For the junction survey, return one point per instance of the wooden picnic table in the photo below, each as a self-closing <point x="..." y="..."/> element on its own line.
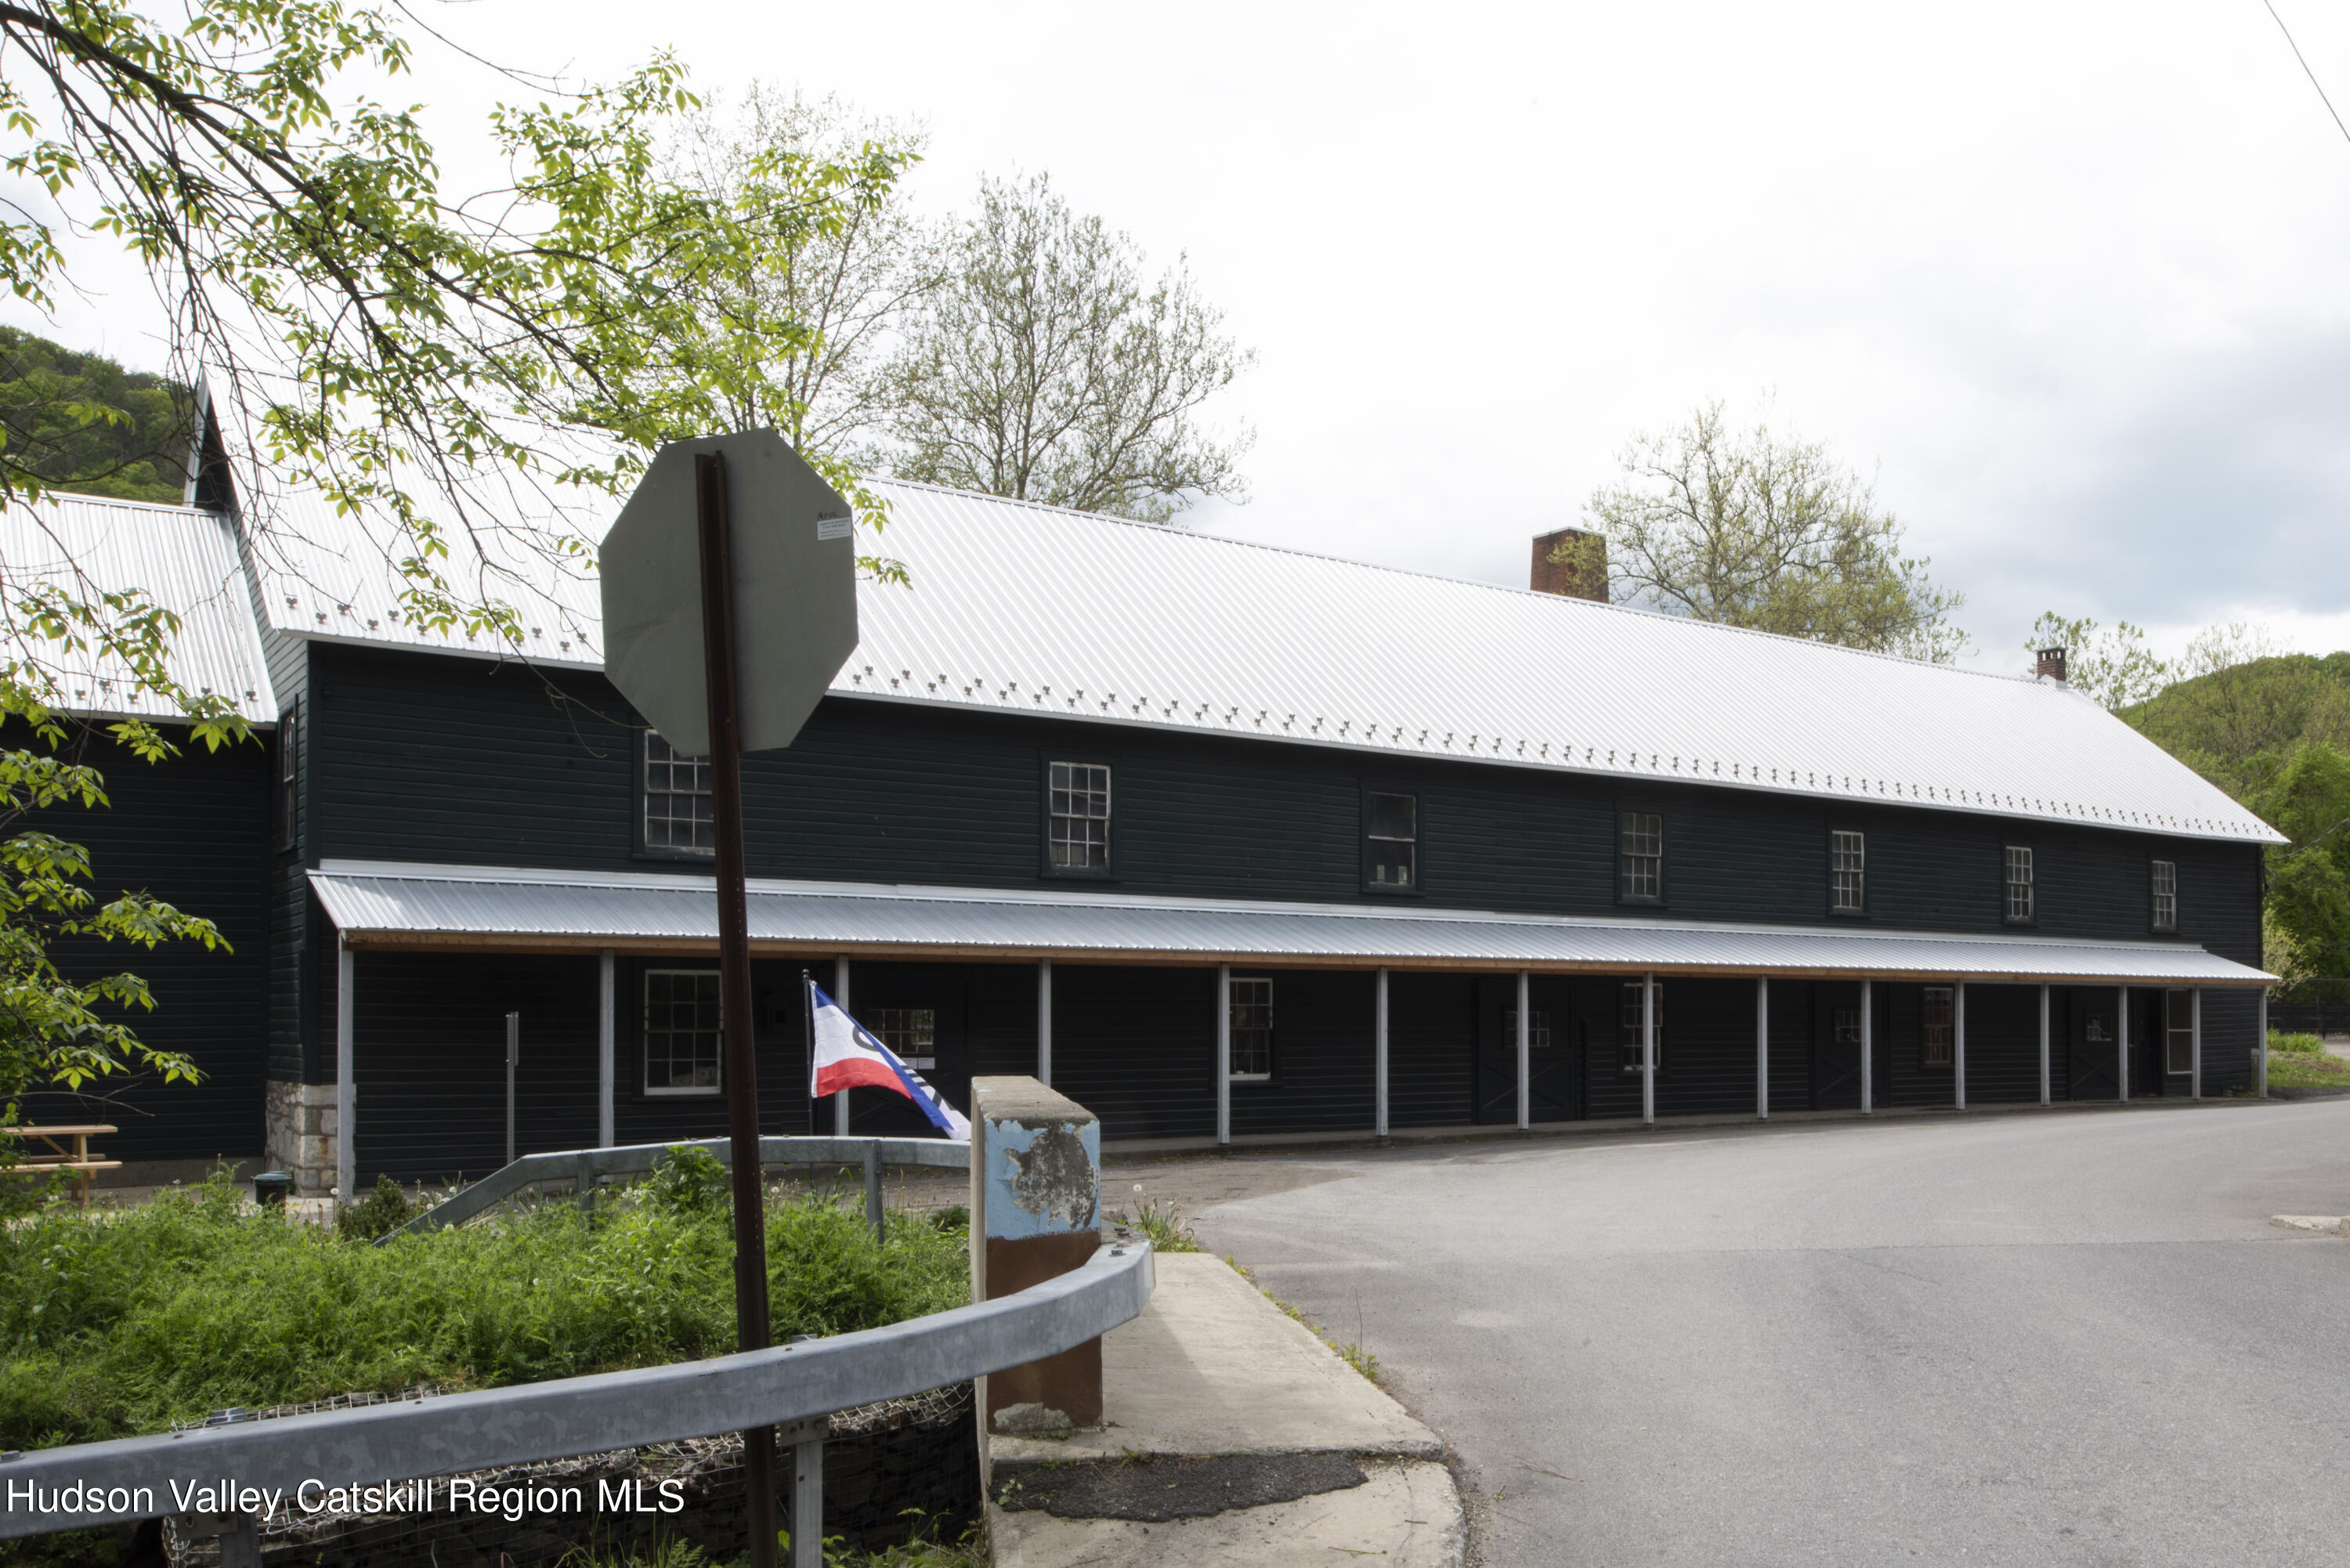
<point x="59" y="1156"/>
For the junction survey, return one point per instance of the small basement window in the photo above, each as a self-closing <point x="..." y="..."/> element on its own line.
<point x="1847" y="873"/>
<point x="1251" y="1005"/>
<point x="1393" y="840"/>
<point x="2178" y="1032"/>
<point x="1940" y="1026"/>
<point x="681" y="1033"/>
<point x="1079" y="806"/>
<point x="1642" y="840"/>
<point x="678" y="815"/>
<point x="911" y="1031"/>
<point x="2021" y="908"/>
<point x="2164" y="882"/>
<point x="1628" y="1032"/>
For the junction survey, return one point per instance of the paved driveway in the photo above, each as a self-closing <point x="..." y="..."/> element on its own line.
<point x="2066" y="1338"/>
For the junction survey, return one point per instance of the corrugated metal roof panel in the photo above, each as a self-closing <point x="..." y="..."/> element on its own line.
<point x="180" y="557"/>
<point x="418" y="905"/>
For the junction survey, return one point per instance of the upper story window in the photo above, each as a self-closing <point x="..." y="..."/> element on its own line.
<point x="1392" y="840"/>
<point x="2022" y="907"/>
<point x="1847" y="873"/>
<point x="1251" y="1005"/>
<point x="1940" y="1026"/>
<point x="678" y="818"/>
<point x="681" y="1036"/>
<point x="289" y="776"/>
<point x="1079" y="833"/>
<point x="2178" y="1031"/>
<point x="911" y="1031"/>
<point x="1628" y="1033"/>
<point x="1641" y="836"/>
<point x="2166" y="895"/>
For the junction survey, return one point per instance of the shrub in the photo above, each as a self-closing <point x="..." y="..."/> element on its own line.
<point x="2296" y="1045"/>
<point x="380" y="1214"/>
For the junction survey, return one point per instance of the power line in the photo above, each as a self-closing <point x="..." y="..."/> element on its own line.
<point x="2297" y="54"/>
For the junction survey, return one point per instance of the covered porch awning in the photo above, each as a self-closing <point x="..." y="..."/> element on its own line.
<point x="382" y="905"/>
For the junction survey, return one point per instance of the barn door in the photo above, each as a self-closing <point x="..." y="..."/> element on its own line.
<point x="1549" y="1051"/>
<point x="1836" y="1047"/>
<point x="916" y="1009"/>
<point x="2092" y="1049"/>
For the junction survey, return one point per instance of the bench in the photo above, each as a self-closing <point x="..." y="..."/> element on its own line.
<point x="68" y="1150"/>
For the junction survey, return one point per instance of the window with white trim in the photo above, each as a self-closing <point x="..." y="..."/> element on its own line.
<point x="1642" y="843"/>
<point x="1629" y="1029"/>
<point x="1079" y="808"/>
<point x="2178" y="1032"/>
<point x="2021" y="907"/>
<point x="1938" y="1026"/>
<point x="1847" y="873"/>
<point x="1251" y="1005"/>
<point x="2165" y="882"/>
<point x="682" y="1042"/>
<point x="678" y="815"/>
<point x="911" y="1031"/>
<point x="1393" y="839"/>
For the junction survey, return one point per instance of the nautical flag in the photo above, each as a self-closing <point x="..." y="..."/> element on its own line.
<point x="846" y="1058"/>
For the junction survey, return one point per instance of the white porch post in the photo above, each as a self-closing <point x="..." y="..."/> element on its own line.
<point x="1763" y="1048"/>
<point x="1867" y="1052"/>
<point x="840" y="995"/>
<point x="2261" y="1048"/>
<point x="2121" y="1049"/>
<point x="1648" y="1049"/>
<point x="1958" y="1040"/>
<point x="1224" y="1055"/>
<point x="347" y="1093"/>
<point x="1379" y="1055"/>
<point x="1045" y="1021"/>
<point x="2043" y="1042"/>
<point x="1525" y="1051"/>
<point x="2195" y="1042"/>
<point x="607" y="1006"/>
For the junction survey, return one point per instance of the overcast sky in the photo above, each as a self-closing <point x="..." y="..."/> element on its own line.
<point x="2068" y="280"/>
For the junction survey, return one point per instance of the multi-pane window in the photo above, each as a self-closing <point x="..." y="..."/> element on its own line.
<point x="681" y="1036"/>
<point x="1538" y="1029"/>
<point x="1251" y="1005"/>
<point x="1642" y="841"/>
<point x="1846" y="1023"/>
<point x="1080" y="813"/>
<point x="2019" y="906"/>
<point x="1941" y="1023"/>
<point x="1629" y="1032"/>
<point x="2178" y="1031"/>
<point x="1394" y="840"/>
<point x="1847" y="873"/>
<point x="2166" y="895"/>
<point x="677" y="800"/>
<point x="289" y="767"/>
<point x="911" y="1031"/>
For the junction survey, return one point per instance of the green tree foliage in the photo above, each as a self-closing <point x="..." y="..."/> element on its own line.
<point x="1043" y="367"/>
<point x="2309" y="880"/>
<point x="84" y="423"/>
<point x="1767" y="531"/>
<point x="2116" y="668"/>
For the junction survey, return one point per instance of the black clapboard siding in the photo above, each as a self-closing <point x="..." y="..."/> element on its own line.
<point x="1431" y="1048"/>
<point x="190" y="830"/>
<point x="2003" y="1044"/>
<point x="1321" y="1056"/>
<point x="1712" y="1049"/>
<point x="1136" y="1046"/>
<point x="1791" y="1045"/>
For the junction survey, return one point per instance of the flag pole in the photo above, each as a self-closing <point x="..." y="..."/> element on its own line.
<point x="742" y="1078"/>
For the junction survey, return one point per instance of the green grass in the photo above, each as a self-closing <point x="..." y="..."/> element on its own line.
<point x="2296" y="1045"/>
<point x="118" y="1324"/>
<point x="1162" y="1224"/>
<point x="2292" y="1068"/>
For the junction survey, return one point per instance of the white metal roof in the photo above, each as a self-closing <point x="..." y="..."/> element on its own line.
<point x="398" y="904"/>
<point x="180" y="557"/>
<point x="1033" y="609"/>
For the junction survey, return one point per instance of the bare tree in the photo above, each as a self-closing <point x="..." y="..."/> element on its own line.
<point x="1043" y="368"/>
<point x="1771" y="532"/>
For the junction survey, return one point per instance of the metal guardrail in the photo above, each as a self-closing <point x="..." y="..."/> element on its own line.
<point x="452" y="1434"/>
<point x="581" y="1167"/>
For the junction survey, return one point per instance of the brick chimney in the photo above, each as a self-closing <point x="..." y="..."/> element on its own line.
<point x="2052" y="665"/>
<point x="1571" y="562"/>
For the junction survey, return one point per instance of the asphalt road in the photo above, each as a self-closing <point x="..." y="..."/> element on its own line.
<point x="2047" y="1338"/>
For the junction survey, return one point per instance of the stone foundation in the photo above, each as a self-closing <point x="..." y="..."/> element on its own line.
<point x="300" y="1124"/>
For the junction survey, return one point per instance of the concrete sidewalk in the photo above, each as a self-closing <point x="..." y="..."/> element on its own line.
<point x="1212" y="1398"/>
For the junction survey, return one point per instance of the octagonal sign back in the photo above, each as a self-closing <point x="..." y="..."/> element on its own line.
<point x="794" y="591"/>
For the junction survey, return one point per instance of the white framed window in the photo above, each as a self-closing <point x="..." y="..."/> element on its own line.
<point x="911" y="1031"/>
<point x="1251" y="1005"/>
<point x="1847" y="873"/>
<point x="2165" y="882"/>
<point x="682" y="1042"/>
<point x="2021" y="906"/>
<point x="1538" y="1029"/>
<point x="1642" y="841"/>
<point x="2178" y="1032"/>
<point x="1940" y="1025"/>
<point x="678" y="817"/>
<point x="1628" y="1033"/>
<point x="1393" y="839"/>
<point x="1079" y="807"/>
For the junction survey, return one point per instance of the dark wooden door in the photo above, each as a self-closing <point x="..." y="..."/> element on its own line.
<point x="1550" y="1052"/>
<point x="2092" y="1046"/>
<point x="1835" y="1046"/>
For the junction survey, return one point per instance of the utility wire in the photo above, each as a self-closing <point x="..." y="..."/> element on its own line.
<point x="2297" y="54"/>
